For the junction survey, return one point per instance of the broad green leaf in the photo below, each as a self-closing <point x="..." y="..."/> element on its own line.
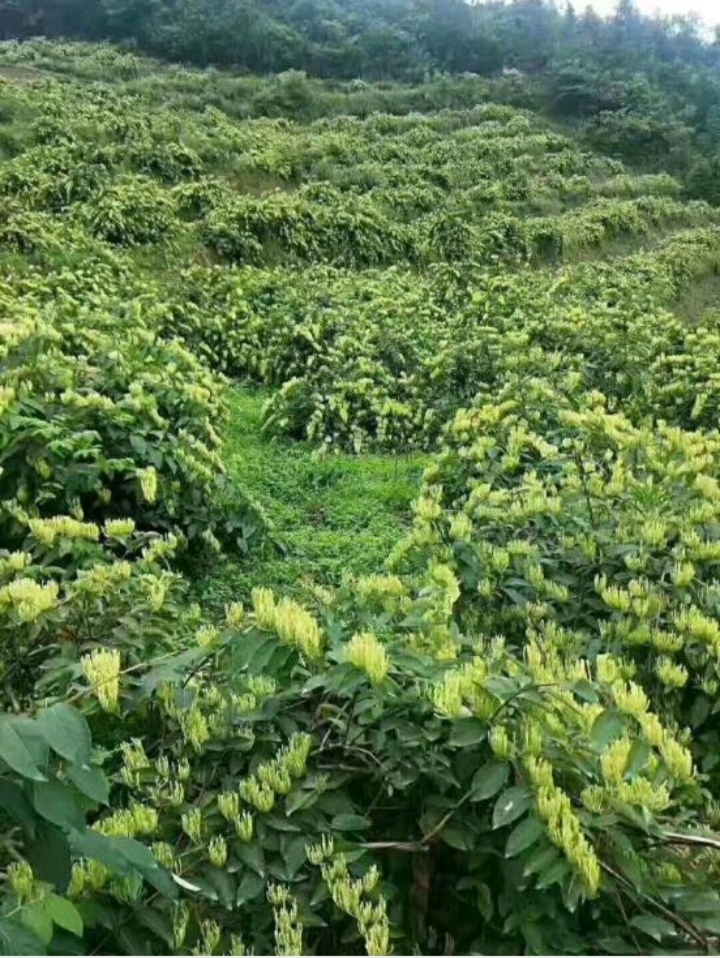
<point x="523" y="836"/>
<point x="540" y="859"/>
<point x="54" y="802"/>
<point x="699" y="710"/>
<point x="37" y="918"/>
<point x="142" y="859"/>
<point x="458" y="837"/>
<point x="694" y="902"/>
<point x="535" y="940"/>
<point x="18" y="939"/>
<point x="637" y="759"/>
<point x="606" y="727"/>
<point x="585" y="690"/>
<point x="485" y="901"/>
<point x="91" y="781"/>
<point x="64" y="914"/>
<point x="29" y="733"/>
<point x="488" y="780"/>
<point x="658" y="928"/>
<point x="224" y="884"/>
<point x="159" y="923"/>
<point x="14" y="801"/>
<point x="554" y="873"/>
<point x="251" y="854"/>
<point x="349" y="823"/>
<point x="66" y="732"/>
<point x="171" y="669"/>
<point x="49" y="855"/>
<point x="299" y="799"/>
<point x="294" y="856"/>
<point x="14" y="753"/>
<point x="466" y="732"/>
<point x="510" y="806"/>
<point x="251" y="888"/>
<point x="123" y="856"/>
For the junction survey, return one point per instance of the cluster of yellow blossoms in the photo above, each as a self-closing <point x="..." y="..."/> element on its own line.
<point x="293" y="624"/>
<point x="101" y="668"/>
<point x="563" y="826"/>
<point x="276" y="776"/>
<point x="366" y="653"/>
<point x="351" y="896"/>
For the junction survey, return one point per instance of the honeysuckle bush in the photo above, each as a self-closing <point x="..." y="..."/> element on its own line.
<point x="599" y="538"/>
<point x="73" y="585"/>
<point x="506" y="743"/>
<point x="368" y="373"/>
<point x="130" y="212"/>
<point x="325" y="228"/>
<point x="102" y="427"/>
<point x="301" y="780"/>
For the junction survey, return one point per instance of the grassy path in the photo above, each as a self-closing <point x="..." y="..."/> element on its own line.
<point x="332" y="515"/>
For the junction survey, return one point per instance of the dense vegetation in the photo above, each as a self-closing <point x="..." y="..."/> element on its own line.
<point x="644" y="89"/>
<point x="252" y="699"/>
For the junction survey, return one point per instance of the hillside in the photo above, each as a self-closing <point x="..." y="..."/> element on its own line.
<point x="643" y="89"/>
<point x="359" y="520"/>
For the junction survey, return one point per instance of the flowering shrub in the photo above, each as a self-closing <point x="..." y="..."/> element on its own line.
<point x="567" y="523"/>
<point x="328" y="229"/>
<point x="507" y="742"/>
<point x="104" y="429"/>
<point x="130" y="213"/>
<point x="305" y="765"/>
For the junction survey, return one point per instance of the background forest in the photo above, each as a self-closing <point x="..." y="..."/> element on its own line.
<point x="651" y="87"/>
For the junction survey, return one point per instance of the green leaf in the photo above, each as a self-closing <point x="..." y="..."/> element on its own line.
<point x="14" y="753"/>
<point x="64" y="914"/>
<point x="637" y="758"/>
<point x="699" y="711"/>
<point x="488" y="780"/>
<point x="606" y="727"/>
<point x="36" y="918"/>
<point x="91" y="781"/>
<point x="251" y="854"/>
<point x="49" y="855"/>
<point x="251" y="888"/>
<point x="655" y="927"/>
<point x="17" y="939"/>
<point x="29" y="733"/>
<point x="458" y="837"/>
<point x="224" y="884"/>
<point x="66" y="732"/>
<point x="157" y="922"/>
<point x="299" y="799"/>
<point x="294" y="856"/>
<point x="510" y="806"/>
<point x="585" y="690"/>
<point x="124" y="856"/>
<point x="466" y="732"/>
<point x="142" y="859"/>
<point x="540" y="859"/>
<point x="54" y="802"/>
<point x="349" y="823"/>
<point x="171" y="669"/>
<point x="485" y="901"/>
<point x="523" y="836"/>
<point x="694" y="902"/>
<point x="13" y="800"/>
<point x="555" y="873"/>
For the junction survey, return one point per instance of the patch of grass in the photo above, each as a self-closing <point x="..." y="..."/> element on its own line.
<point x="699" y="299"/>
<point x="332" y="515"/>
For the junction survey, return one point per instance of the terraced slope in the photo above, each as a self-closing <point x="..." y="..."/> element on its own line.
<point x="375" y="273"/>
<point x="435" y="394"/>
